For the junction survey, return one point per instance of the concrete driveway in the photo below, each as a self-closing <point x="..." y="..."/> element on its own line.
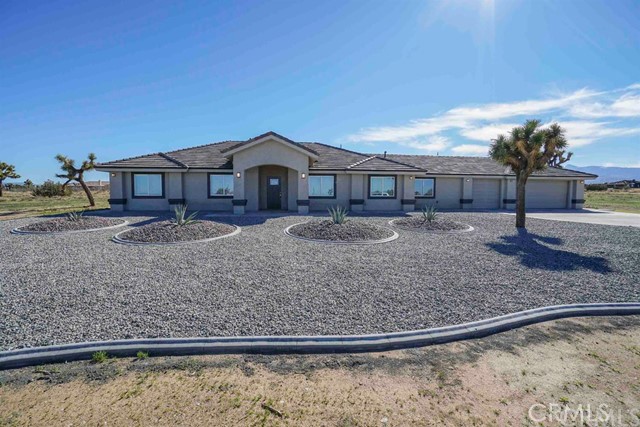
<point x="588" y="216"/>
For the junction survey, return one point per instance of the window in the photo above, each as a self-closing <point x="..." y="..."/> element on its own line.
<point x="425" y="187"/>
<point x="148" y="185"/>
<point x="220" y="185"/>
<point x="322" y="186"/>
<point x="382" y="186"/>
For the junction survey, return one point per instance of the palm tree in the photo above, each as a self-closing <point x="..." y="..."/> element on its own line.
<point x="7" y="171"/>
<point x="73" y="173"/>
<point x="527" y="149"/>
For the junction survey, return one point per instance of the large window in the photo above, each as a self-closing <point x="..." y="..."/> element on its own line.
<point x="220" y="185"/>
<point x="322" y="186"/>
<point x="382" y="186"/>
<point x="148" y="185"/>
<point x="425" y="187"/>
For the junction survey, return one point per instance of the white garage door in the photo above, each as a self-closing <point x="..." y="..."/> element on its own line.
<point x="549" y="194"/>
<point x="486" y="193"/>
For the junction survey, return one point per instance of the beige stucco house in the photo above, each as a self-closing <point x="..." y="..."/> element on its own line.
<point x="271" y="172"/>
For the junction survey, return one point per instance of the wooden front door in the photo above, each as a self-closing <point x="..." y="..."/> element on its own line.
<point x="274" y="192"/>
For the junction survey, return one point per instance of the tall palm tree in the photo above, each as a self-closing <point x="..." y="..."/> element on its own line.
<point x="7" y="171"/>
<point x="527" y="149"/>
<point x="72" y="173"/>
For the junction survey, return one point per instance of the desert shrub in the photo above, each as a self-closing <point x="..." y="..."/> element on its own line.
<point x="429" y="213"/>
<point x="75" y="216"/>
<point x="142" y="355"/>
<point x="338" y="214"/>
<point x="50" y="189"/>
<point x="180" y="216"/>
<point x="99" y="357"/>
<point x="596" y="187"/>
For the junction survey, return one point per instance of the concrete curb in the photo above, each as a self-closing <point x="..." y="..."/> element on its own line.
<point x="21" y="232"/>
<point x="466" y="230"/>
<point x="333" y="242"/>
<point x="308" y="344"/>
<point x="121" y="241"/>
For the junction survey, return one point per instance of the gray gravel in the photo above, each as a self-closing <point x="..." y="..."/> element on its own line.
<point x="168" y="232"/>
<point x="349" y="231"/>
<point x="78" y="287"/>
<point x="419" y="223"/>
<point x="64" y="224"/>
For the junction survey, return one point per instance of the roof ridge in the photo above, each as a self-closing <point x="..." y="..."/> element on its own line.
<point x="571" y="170"/>
<point x="203" y="145"/>
<point x="359" y="162"/>
<point x="178" y="162"/>
<point x="131" y="158"/>
<point x="334" y="147"/>
<point x="400" y="163"/>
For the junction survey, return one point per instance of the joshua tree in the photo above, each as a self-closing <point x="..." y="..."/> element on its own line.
<point x="28" y="183"/>
<point x="72" y="173"/>
<point x="527" y="149"/>
<point x="559" y="159"/>
<point x="7" y="171"/>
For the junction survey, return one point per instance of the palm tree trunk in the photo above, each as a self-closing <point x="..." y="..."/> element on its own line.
<point x="521" y="183"/>
<point x="88" y="192"/>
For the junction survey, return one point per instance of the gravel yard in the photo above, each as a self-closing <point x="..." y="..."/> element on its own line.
<point x="352" y="230"/>
<point x="57" y="225"/>
<point x="418" y="223"/>
<point x="79" y="287"/>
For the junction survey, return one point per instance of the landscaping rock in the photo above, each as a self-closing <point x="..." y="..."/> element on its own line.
<point x="350" y="231"/>
<point x="57" y="225"/>
<point x="418" y="223"/>
<point x="168" y="232"/>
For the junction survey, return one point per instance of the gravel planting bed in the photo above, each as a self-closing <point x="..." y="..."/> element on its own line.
<point x="168" y="232"/>
<point x="262" y="282"/>
<point x="418" y="223"/>
<point x="61" y="225"/>
<point x="350" y="231"/>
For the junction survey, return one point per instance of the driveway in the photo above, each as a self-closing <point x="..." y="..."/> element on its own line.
<point x="588" y="216"/>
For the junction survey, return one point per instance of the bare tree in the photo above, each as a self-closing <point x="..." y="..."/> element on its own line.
<point x="72" y="173"/>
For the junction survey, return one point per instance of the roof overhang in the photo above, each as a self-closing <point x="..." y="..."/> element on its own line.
<point x="270" y="137"/>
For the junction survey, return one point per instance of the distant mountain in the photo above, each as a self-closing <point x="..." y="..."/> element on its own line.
<point x="608" y="174"/>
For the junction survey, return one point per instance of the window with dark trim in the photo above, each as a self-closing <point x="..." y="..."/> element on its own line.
<point x="147" y="185"/>
<point x="382" y="187"/>
<point x="425" y="188"/>
<point x="322" y="186"/>
<point x="220" y="185"/>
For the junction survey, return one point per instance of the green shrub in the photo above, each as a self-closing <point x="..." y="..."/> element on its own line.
<point x="338" y="214"/>
<point x="50" y="189"/>
<point x="142" y="355"/>
<point x="181" y="217"/>
<point x="596" y="187"/>
<point x="99" y="357"/>
<point x="429" y="213"/>
<point x="75" y="216"/>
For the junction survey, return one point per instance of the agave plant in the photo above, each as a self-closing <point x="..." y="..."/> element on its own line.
<point x="338" y="214"/>
<point x="429" y="213"/>
<point x="75" y="216"/>
<point x="181" y="217"/>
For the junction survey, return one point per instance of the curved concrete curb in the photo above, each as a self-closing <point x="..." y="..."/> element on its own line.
<point x="121" y="241"/>
<point x="333" y="242"/>
<point x="22" y="232"/>
<point x="308" y="344"/>
<point x="393" y="223"/>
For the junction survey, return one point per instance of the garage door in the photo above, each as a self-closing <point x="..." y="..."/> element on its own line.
<point x="486" y="193"/>
<point x="546" y="194"/>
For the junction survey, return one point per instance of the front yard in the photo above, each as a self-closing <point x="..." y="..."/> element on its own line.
<point x="82" y="287"/>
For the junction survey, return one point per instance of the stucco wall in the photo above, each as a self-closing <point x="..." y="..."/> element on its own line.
<point x="448" y="194"/>
<point x="380" y="204"/>
<point x="137" y="204"/>
<point x="196" y="193"/>
<point x="343" y="194"/>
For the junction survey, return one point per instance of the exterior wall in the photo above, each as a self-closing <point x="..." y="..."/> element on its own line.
<point x="343" y="194"/>
<point x="577" y="194"/>
<point x="547" y="194"/>
<point x="383" y="204"/>
<point x="486" y="193"/>
<point x="117" y="192"/>
<point x="267" y="172"/>
<point x="448" y="194"/>
<point x="252" y="188"/>
<point x="144" y="204"/>
<point x="196" y="193"/>
<point x="292" y="192"/>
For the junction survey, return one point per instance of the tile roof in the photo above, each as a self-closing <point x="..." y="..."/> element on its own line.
<point x="212" y="156"/>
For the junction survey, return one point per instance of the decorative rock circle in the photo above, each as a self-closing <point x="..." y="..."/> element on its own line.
<point x="418" y="230"/>
<point x="394" y="236"/>
<point x="124" y="241"/>
<point x="19" y="230"/>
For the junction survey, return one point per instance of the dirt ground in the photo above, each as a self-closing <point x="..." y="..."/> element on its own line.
<point x="493" y="381"/>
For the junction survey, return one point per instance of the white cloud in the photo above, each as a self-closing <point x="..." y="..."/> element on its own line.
<point x="489" y="132"/>
<point x="471" y="149"/>
<point x="575" y="111"/>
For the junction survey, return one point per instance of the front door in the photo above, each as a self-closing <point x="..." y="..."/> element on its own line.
<point x="274" y="193"/>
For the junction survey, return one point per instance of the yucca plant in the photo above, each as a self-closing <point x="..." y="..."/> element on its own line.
<point x="181" y="217"/>
<point x="338" y="214"/>
<point x="75" y="216"/>
<point x="429" y="213"/>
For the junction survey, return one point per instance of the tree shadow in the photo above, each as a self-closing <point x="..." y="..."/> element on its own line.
<point x="533" y="252"/>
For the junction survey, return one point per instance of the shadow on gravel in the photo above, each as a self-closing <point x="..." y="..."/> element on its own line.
<point x="534" y="254"/>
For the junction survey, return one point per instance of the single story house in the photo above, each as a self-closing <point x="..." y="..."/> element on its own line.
<point x="271" y="172"/>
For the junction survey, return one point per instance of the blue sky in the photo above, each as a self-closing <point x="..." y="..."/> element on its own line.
<point x="129" y="78"/>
